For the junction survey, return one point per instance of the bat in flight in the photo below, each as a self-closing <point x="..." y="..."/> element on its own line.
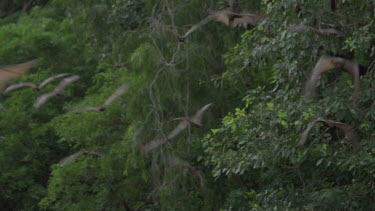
<point x="176" y="161"/>
<point x="234" y="19"/>
<point x="348" y="130"/>
<point x="227" y="17"/>
<point x="10" y="72"/>
<point x="74" y="156"/>
<point x="326" y="63"/>
<point x="318" y="31"/>
<point x="196" y="120"/>
<point x="182" y="38"/>
<point x="57" y="91"/>
<point x="35" y="86"/>
<point x="120" y="91"/>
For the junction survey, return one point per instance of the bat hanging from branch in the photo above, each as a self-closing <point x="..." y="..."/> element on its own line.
<point x="350" y="135"/>
<point x="74" y="156"/>
<point x="326" y="63"/>
<point x="195" y="120"/>
<point x="120" y="91"/>
<point x="35" y="86"/>
<point x="59" y="89"/>
<point x="10" y="72"/>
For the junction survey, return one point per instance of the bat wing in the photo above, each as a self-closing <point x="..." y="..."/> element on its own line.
<point x="348" y="130"/>
<point x="352" y="68"/>
<point x="197" y="119"/>
<point x="58" y="90"/>
<point x="65" y="82"/>
<point x="10" y="72"/>
<point x="300" y="27"/>
<point x="188" y="120"/>
<point x="196" y="26"/>
<point x="324" y="64"/>
<point x="328" y="31"/>
<point x="153" y="144"/>
<point x="173" y="134"/>
<point x="198" y="116"/>
<point x="43" y="99"/>
<point x="19" y="85"/>
<point x="74" y="156"/>
<point x="19" y="68"/>
<point x="120" y="91"/>
<point x="166" y="27"/>
<point x="305" y="134"/>
<point x="70" y="158"/>
<point x="224" y="16"/>
<point x="86" y="109"/>
<point x="48" y="80"/>
<point x="177" y="130"/>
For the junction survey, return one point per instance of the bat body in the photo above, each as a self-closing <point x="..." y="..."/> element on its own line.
<point x="350" y="135"/>
<point x="11" y="72"/>
<point x="326" y="63"/>
<point x="231" y="18"/>
<point x="120" y="91"/>
<point x="74" y="156"/>
<point x="58" y="90"/>
<point x="196" y="120"/>
<point x="34" y="86"/>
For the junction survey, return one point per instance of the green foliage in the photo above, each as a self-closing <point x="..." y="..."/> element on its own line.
<point x="246" y="150"/>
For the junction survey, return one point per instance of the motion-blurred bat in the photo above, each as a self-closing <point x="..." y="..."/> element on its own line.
<point x="176" y="161"/>
<point x="326" y="63"/>
<point x="58" y="90"/>
<point x="10" y="72"/>
<point x="318" y="31"/>
<point x="120" y="91"/>
<point x="227" y="17"/>
<point x="188" y="120"/>
<point x="35" y="86"/>
<point x="196" y="119"/>
<point x="182" y="38"/>
<point x="72" y="157"/>
<point x="350" y="135"/>
<point x="231" y="18"/>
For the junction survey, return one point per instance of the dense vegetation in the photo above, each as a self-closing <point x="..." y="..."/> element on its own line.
<point x="244" y="157"/>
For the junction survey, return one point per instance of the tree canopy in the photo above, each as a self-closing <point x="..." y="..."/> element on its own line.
<point x="187" y="105"/>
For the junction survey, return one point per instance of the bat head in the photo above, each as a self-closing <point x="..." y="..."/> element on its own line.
<point x="181" y="39"/>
